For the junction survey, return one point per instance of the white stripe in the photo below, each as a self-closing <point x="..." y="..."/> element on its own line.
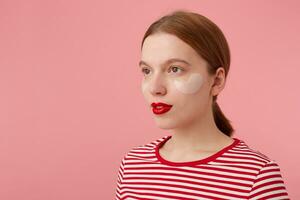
<point x="175" y="186"/>
<point x="232" y="168"/>
<point x="235" y="164"/>
<point x="269" y="193"/>
<point x="266" y="174"/>
<point x="131" y="155"/>
<point x="189" y="179"/>
<point x="240" y="160"/>
<point x="141" y="150"/>
<point x="248" y="155"/>
<point x="197" y="170"/>
<point x="250" y="151"/>
<point x="281" y="197"/>
<point x="266" y="187"/>
<point x="180" y="195"/>
<point x="267" y="180"/>
<point x="155" y="197"/>
<point x="270" y="167"/>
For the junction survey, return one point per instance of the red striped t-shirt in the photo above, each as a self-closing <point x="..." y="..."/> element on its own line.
<point x="235" y="172"/>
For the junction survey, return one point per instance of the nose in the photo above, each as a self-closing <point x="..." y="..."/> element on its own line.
<point x="157" y="86"/>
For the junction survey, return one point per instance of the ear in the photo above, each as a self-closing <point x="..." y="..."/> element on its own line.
<point x="219" y="80"/>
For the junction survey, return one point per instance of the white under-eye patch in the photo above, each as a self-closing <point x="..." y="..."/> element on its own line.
<point x="144" y="86"/>
<point x="190" y="86"/>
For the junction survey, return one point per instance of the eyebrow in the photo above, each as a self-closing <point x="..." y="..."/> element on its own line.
<point x="171" y="60"/>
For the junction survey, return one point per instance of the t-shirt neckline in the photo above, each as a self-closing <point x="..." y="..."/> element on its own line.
<point x="192" y="163"/>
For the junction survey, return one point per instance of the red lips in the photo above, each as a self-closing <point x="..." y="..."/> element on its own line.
<point x="160" y="108"/>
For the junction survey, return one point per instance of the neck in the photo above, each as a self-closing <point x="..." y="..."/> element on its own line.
<point x="203" y="134"/>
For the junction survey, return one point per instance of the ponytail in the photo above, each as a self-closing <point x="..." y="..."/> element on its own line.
<point x="221" y="121"/>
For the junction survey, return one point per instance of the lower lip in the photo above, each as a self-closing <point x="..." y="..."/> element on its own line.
<point x="161" y="110"/>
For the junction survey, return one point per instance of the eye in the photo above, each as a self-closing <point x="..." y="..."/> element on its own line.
<point x="175" y="67"/>
<point x="145" y="70"/>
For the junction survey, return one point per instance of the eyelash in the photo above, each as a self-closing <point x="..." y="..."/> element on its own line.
<point x="143" y="69"/>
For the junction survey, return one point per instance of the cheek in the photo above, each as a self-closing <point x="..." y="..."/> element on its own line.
<point x="144" y="86"/>
<point x="190" y="86"/>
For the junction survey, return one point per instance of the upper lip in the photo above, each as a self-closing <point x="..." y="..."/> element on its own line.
<point x="159" y="104"/>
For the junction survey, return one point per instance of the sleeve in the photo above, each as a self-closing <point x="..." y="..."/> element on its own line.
<point x="120" y="179"/>
<point x="269" y="183"/>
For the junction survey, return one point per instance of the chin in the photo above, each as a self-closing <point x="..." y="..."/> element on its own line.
<point x="166" y="124"/>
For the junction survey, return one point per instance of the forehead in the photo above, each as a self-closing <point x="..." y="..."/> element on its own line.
<point x="160" y="47"/>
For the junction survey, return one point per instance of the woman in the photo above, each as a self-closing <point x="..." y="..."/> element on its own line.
<point x="185" y="61"/>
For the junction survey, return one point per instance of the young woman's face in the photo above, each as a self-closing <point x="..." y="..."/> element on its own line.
<point x="185" y="84"/>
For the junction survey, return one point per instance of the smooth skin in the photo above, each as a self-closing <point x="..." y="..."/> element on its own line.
<point x="195" y="134"/>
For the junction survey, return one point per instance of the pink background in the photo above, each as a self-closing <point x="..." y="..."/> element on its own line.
<point x="71" y="104"/>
